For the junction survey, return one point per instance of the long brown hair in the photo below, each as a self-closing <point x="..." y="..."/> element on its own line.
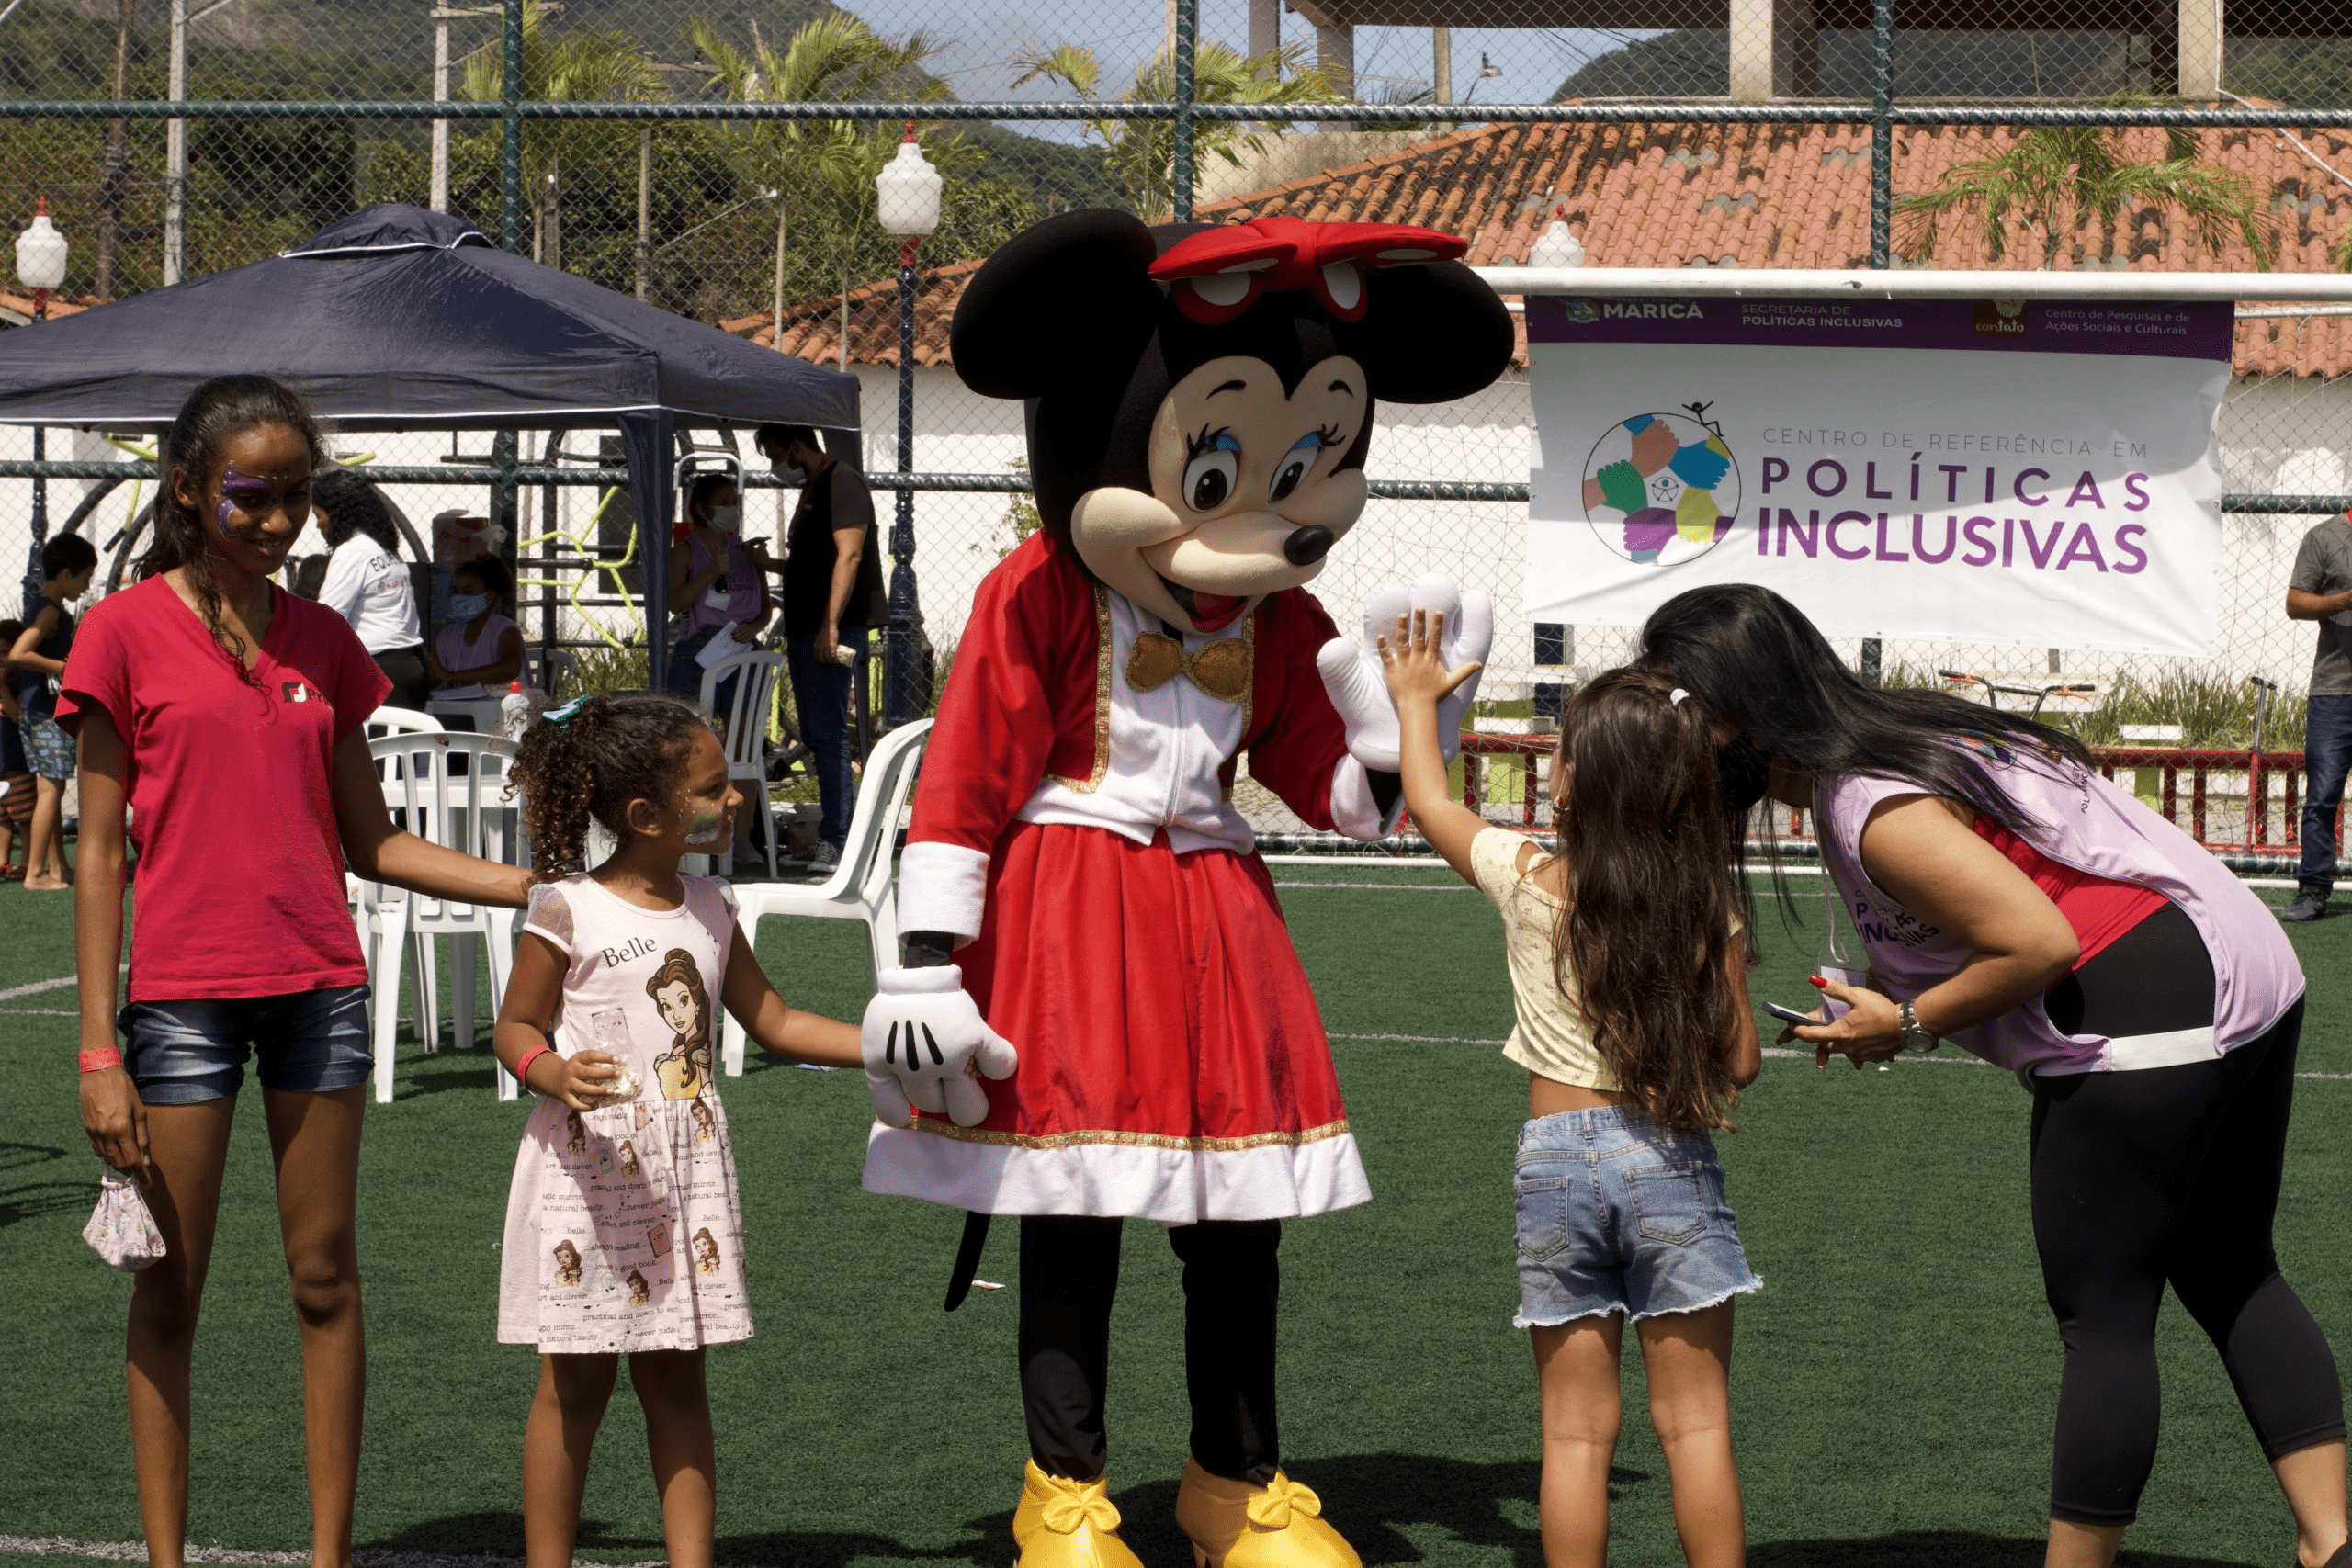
<point x="216" y="413"/>
<point x="1646" y="926"/>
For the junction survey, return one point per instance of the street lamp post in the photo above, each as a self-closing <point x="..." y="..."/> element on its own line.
<point x="40" y="267"/>
<point x="906" y="200"/>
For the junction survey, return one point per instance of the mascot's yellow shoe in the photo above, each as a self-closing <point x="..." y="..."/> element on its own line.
<point x="1234" y="1524"/>
<point x="1068" y="1524"/>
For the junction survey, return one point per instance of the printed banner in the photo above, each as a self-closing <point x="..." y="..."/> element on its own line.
<point x="1977" y="472"/>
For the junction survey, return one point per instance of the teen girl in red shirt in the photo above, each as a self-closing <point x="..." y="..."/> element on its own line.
<point x="226" y="714"/>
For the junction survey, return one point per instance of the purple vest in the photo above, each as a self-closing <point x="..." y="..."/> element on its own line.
<point x="2084" y="822"/>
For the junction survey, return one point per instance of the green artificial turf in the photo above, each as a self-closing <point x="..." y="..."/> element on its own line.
<point x="1892" y="1390"/>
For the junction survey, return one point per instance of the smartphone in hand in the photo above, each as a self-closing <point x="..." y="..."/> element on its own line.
<point x="1791" y="1015"/>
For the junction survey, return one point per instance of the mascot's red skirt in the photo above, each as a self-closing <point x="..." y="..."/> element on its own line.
<point x="1173" y="1064"/>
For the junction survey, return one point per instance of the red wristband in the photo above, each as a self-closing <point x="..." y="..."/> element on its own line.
<point x="105" y="1056"/>
<point x="523" y="1068"/>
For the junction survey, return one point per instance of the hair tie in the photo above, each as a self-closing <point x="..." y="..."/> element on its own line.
<point x="1675" y="698"/>
<point x="568" y="711"/>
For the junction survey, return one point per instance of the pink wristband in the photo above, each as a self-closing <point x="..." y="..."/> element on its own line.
<point x="105" y="1056"/>
<point x="523" y="1068"/>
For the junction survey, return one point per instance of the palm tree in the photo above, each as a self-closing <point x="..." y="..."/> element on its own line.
<point x="2054" y="177"/>
<point x="821" y="171"/>
<point x="589" y="64"/>
<point x="1142" y="152"/>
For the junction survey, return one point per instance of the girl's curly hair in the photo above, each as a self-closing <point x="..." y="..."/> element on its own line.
<point x="619" y="747"/>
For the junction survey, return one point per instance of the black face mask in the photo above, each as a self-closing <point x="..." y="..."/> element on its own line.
<point x="1743" y="770"/>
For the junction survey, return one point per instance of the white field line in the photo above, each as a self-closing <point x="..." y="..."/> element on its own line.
<point x="57" y="985"/>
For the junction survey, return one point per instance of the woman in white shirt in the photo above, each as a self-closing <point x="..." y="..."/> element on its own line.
<point x="368" y="583"/>
<point x="479" y="651"/>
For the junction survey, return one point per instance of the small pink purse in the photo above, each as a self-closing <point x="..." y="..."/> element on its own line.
<point x="120" y="1230"/>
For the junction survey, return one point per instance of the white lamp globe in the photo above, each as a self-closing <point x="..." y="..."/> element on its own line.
<point x="41" y="254"/>
<point x="907" y="191"/>
<point x="1556" y="246"/>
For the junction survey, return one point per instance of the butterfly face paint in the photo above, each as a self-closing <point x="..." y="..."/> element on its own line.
<point x="243" y="492"/>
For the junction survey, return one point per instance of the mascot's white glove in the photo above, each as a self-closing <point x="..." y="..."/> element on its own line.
<point x="1351" y="673"/>
<point x="925" y="1043"/>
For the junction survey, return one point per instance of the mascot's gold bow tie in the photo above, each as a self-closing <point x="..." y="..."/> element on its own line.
<point x="1221" y="670"/>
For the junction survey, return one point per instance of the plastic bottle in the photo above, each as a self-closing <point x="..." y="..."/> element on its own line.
<point x="514" y="712"/>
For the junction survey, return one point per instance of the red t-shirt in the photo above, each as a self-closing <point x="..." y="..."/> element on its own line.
<point x="2098" y="909"/>
<point x="240" y="889"/>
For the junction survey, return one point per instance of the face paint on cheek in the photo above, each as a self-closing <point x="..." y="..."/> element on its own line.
<point x="702" y="827"/>
<point x="240" y="492"/>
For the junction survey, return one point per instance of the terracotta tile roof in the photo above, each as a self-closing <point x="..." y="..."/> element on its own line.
<point x="1755" y="196"/>
<point x="16" y="306"/>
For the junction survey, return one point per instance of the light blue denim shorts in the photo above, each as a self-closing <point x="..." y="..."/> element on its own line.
<point x="1618" y="1215"/>
<point x="182" y="1053"/>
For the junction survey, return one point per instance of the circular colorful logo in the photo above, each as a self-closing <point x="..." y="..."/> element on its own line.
<point x="1661" y="489"/>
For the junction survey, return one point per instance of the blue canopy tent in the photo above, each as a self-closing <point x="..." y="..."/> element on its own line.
<point x="398" y="318"/>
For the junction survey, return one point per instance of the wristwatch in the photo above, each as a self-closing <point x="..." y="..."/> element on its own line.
<point x="1914" y="1037"/>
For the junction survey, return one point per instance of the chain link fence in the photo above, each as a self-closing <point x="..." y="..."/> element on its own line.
<point x="717" y="157"/>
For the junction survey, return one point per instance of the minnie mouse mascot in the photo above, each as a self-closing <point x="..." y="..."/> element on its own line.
<point x="1080" y="898"/>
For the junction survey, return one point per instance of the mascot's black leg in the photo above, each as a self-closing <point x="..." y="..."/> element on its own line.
<point x="1232" y="1278"/>
<point x="1069" y="1271"/>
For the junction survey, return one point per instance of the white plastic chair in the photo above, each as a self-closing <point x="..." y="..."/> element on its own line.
<point x="745" y="725"/>
<point x="557" y="674"/>
<point x="466" y="811"/>
<point x="401" y="721"/>
<point x="862" y="887"/>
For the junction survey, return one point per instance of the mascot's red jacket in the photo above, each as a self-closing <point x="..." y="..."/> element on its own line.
<point x="1082" y="832"/>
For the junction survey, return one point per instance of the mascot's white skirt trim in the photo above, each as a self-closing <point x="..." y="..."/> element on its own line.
<point x="1172" y="1185"/>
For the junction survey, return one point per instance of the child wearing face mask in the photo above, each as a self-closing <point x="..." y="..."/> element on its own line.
<point x="479" y="651"/>
<point x="1628" y="969"/>
<point x="624" y="1235"/>
<point x="716" y="588"/>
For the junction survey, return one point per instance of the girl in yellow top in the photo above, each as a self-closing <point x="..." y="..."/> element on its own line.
<point x="1629" y="969"/>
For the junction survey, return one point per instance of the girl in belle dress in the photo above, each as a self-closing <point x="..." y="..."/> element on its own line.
<point x="623" y="1237"/>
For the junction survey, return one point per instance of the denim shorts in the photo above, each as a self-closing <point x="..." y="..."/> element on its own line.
<point x="186" y="1051"/>
<point x="1618" y="1215"/>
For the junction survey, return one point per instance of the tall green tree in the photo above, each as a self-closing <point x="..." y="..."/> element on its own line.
<point x="820" y="173"/>
<point x="1142" y="154"/>
<point x="2055" y="178"/>
<point x="579" y="65"/>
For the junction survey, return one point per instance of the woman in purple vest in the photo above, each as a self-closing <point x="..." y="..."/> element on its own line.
<point x="2013" y="901"/>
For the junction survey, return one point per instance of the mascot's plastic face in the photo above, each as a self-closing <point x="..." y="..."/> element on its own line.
<point x="1200" y="444"/>
<point x="1248" y="491"/>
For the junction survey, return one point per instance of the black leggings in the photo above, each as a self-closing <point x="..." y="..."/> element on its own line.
<point x="2167" y="1175"/>
<point x="1069" y="1271"/>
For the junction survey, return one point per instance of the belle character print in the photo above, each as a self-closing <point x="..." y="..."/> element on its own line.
<point x="567" y="1262"/>
<point x="706" y="1252"/>
<point x="704" y="1124"/>
<point x="629" y="1166"/>
<point x="639" y="1293"/>
<point x="575" y="1134"/>
<point x="678" y="991"/>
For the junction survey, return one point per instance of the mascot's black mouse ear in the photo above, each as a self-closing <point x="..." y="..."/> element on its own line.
<point x="1432" y="332"/>
<point x="1073" y="289"/>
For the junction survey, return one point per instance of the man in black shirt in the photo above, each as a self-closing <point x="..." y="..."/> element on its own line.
<point x="833" y="578"/>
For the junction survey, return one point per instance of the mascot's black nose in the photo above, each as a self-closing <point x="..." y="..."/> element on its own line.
<point x="1306" y="546"/>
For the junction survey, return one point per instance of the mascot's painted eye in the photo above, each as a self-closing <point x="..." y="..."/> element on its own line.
<point x="1297" y="464"/>
<point x="1209" y="476"/>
